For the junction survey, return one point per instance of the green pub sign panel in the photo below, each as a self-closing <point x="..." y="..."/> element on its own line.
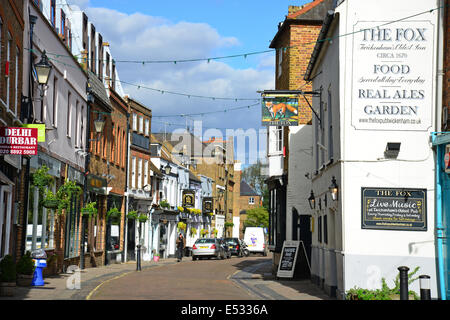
<point x="394" y="209"/>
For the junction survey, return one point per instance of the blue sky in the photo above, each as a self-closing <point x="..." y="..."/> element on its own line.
<point x="179" y="29"/>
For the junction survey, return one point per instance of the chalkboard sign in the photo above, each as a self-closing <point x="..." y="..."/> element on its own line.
<point x="288" y="259"/>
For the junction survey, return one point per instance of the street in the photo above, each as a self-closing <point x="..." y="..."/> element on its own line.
<point x="191" y="280"/>
<point x="230" y="279"/>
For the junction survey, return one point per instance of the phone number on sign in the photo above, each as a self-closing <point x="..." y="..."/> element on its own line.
<point x="18" y="152"/>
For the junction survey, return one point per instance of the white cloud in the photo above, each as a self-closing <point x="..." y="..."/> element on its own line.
<point x="143" y="37"/>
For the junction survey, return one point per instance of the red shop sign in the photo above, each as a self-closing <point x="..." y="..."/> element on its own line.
<point x="22" y="141"/>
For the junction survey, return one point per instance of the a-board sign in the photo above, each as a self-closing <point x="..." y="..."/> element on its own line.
<point x="288" y="259"/>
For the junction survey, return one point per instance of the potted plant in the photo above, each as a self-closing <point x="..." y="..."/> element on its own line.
<point x="203" y="233"/>
<point x="90" y="209"/>
<point x="41" y="178"/>
<point x="50" y="201"/>
<point x="113" y="214"/>
<point x="164" y="204"/>
<point x="181" y="226"/>
<point x="142" y="218"/>
<point x="65" y="194"/>
<point x="52" y="264"/>
<point x="7" y="276"/>
<point x="214" y="232"/>
<point x="132" y="215"/>
<point x="25" y="270"/>
<point x="193" y="232"/>
<point x="156" y="257"/>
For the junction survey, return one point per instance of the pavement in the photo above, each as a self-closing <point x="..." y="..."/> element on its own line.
<point x="257" y="279"/>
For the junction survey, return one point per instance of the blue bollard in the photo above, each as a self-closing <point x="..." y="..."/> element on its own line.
<point x="38" y="279"/>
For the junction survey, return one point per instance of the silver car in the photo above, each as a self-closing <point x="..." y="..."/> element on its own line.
<point x="208" y="247"/>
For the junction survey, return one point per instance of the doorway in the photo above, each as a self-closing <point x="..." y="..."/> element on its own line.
<point x="5" y="219"/>
<point x="131" y="240"/>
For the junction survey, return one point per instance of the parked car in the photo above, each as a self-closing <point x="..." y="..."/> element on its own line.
<point x="226" y="248"/>
<point x="208" y="248"/>
<point x="255" y="239"/>
<point x="234" y="245"/>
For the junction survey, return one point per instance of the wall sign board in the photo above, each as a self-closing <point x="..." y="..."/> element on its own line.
<point x="394" y="209"/>
<point x="393" y="75"/>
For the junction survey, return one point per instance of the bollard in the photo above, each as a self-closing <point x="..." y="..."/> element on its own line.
<point x="138" y="258"/>
<point x="425" y="291"/>
<point x="403" y="282"/>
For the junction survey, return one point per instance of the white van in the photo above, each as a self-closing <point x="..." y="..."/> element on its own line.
<point x="255" y="240"/>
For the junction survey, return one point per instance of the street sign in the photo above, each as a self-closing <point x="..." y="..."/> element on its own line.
<point x="21" y="141"/>
<point x="286" y="266"/>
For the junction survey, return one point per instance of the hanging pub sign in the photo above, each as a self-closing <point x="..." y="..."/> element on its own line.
<point x="279" y="110"/>
<point x="21" y="141"/>
<point x="207" y="205"/>
<point x="189" y="198"/>
<point x="394" y="209"/>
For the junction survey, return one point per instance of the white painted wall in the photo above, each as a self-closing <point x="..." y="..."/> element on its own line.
<point x="299" y="186"/>
<point x="356" y="256"/>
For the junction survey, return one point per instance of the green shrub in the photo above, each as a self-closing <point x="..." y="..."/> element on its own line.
<point x="385" y="293"/>
<point x="25" y="265"/>
<point x="7" y="269"/>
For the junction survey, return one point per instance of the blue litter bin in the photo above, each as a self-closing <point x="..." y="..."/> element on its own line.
<point x="38" y="279"/>
<point x="40" y="262"/>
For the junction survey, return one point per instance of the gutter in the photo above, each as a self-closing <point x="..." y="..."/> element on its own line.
<point x="319" y="44"/>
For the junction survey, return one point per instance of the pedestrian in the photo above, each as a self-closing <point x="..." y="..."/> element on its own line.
<point x="181" y="244"/>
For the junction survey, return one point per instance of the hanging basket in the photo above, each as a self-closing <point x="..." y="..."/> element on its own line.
<point x="89" y="209"/>
<point x="50" y="203"/>
<point x="142" y="218"/>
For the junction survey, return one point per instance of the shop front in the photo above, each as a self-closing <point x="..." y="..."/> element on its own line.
<point x="164" y="225"/>
<point x="114" y="229"/>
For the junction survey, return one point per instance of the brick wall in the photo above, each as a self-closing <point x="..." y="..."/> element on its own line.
<point x="12" y="25"/>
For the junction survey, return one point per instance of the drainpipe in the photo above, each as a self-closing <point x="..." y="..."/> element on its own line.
<point x="124" y="241"/>
<point x="439" y="151"/>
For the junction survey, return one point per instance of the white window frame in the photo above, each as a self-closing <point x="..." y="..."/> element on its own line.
<point x="280" y="61"/>
<point x="147" y="127"/>
<point x="5" y="191"/>
<point x="77" y="123"/>
<point x="133" y="173"/>
<point x="279" y="139"/>
<point x="141" y="124"/>
<point x="251" y="200"/>
<point x="330" y="127"/>
<point x="69" y="115"/>
<point x="145" y="172"/>
<point x="134" y="122"/>
<point x="55" y="103"/>
<point x="139" y="182"/>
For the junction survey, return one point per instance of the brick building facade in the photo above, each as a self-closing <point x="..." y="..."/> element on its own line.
<point x="294" y="43"/>
<point x="11" y="66"/>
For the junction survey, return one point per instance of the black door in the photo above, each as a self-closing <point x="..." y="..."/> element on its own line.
<point x="131" y="240"/>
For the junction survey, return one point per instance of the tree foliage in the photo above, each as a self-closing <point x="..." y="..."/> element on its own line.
<point x="257" y="217"/>
<point x="255" y="177"/>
